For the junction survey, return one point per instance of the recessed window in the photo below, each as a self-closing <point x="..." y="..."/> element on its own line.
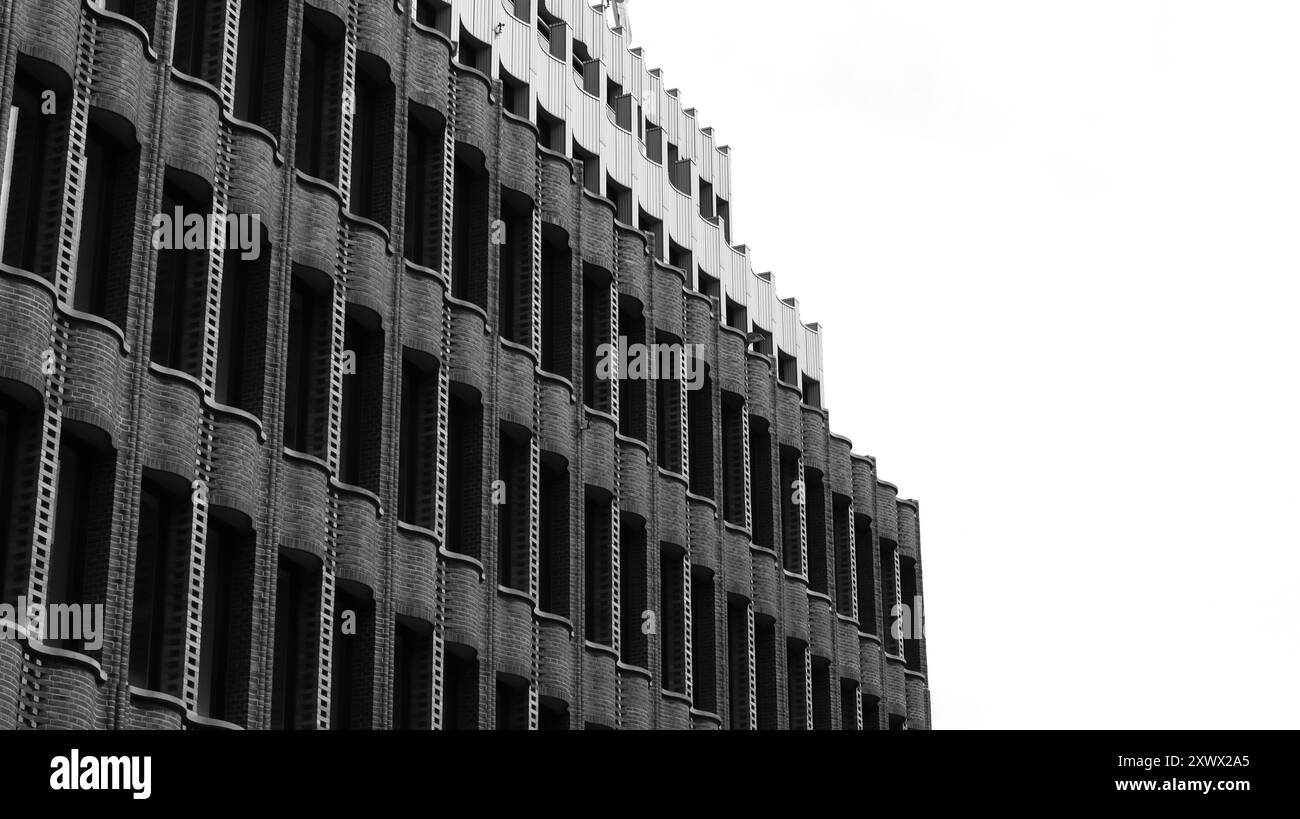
<point x="672" y="618"/>
<point x="848" y="704"/>
<point x="107" y="220"/>
<point x="320" y="94"/>
<point x="513" y="521"/>
<point x="360" y="442"/>
<point x="229" y="559"/>
<point x="434" y="14"/>
<point x="866" y="565"/>
<point x="196" y="49"/>
<point x="372" y="142"/>
<point x="465" y="463"/>
<point x="352" y="665"/>
<point x="766" y="684"/>
<point x="307" y="362"/>
<point x="474" y="53"/>
<point x="596" y="331"/>
<point x="412" y="674"/>
<point x="738" y="661"/>
<point x="796" y="678"/>
<point x="515" y="95"/>
<point x="181" y="277"/>
<point x="425" y="130"/>
<point x="821" y="694"/>
<point x="699" y="404"/>
<point x="470" y="238"/>
<point x="33" y="172"/>
<point x="668" y="412"/>
<point x="598" y="571"/>
<point x="793" y="496"/>
<point x="815" y="493"/>
<point x="632" y="399"/>
<point x="840" y="505"/>
<point x="633" y="590"/>
<point x="159" y="600"/>
<point x="460" y="709"/>
<point x="297" y="633"/>
<point x="553" y="546"/>
<point x="733" y="458"/>
<point x="417" y="472"/>
<point x="244" y="330"/>
<point x="512" y="703"/>
<point x="760" y="481"/>
<point x="82" y="529"/>
<point x="557" y="304"/>
<point x="704" y="640"/>
<point x="515" y="256"/>
<point x="259" y="73"/>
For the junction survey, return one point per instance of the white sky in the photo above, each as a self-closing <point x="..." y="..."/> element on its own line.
<point x="1075" y="227"/>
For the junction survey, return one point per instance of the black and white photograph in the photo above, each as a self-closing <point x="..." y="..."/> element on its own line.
<point x="373" y="370"/>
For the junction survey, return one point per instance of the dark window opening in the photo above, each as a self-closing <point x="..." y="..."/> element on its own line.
<point x="352" y="659"/>
<point x="161" y="573"/>
<point x="866" y="565"/>
<point x="843" y="554"/>
<point x="848" y="704"/>
<point x="553" y="525"/>
<point x="225" y="664"/>
<point x="621" y="196"/>
<point x="668" y="412"/>
<point x="417" y="470"/>
<point x="141" y="11"/>
<point x="19" y="448"/>
<point x="699" y="404"/>
<point x="733" y="458"/>
<point x="761" y="340"/>
<point x="598" y="571"/>
<point x="34" y="170"/>
<point x="596" y="331"/>
<point x="791" y="491"/>
<point x="515" y="95"/>
<point x="460" y="689"/>
<point x="361" y="452"/>
<point x="870" y="713"/>
<point x="425" y="132"/>
<point x="434" y="14"/>
<point x="680" y="257"/>
<point x="738" y="662"/>
<point x="470" y="226"/>
<point x="897" y="722"/>
<point x="297" y="631"/>
<point x="911" y="613"/>
<point x="352" y="665"/>
<point x="181" y="278"/>
<point x="107" y="222"/>
<point x="307" y="363"/>
<point x="796" y="678"/>
<point x="787" y="368"/>
<point x="812" y="392"/>
<point x="657" y="235"/>
<point x="557" y="306"/>
<point x="259" y="73"/>
<point x="373" y="126"/>
<point x="672" y="618"/>
<point x="737" y="316"/>
<point x="821" y="694"/>
<point x="78" y="561"/>
<point x="515" y="295"/>
<point x="244" y="329"/>
<point x="760" y="481"/>
<point x="724" y="213"/>
<point x="552" y="131"/>
<point x="553" y="715"/>
<point x="412" y="675"/>
<point x="706" y="200"/>
<point x="465" y="463"/>
<point x="815" y="493"/>
<point x="320" y="96"/>
<point x="474" y="53"/>
<point x="709" y="286"/>
<point x="654" y="143"/>
<point x="766" y="681"/>
<point x="704" y="669"/>
<point x="890" y="593"/>
<point x="512" y="703"/>
<point x="513" y="521"/>
<point x="632" y="399"/>
<point x="590" y="171"/>
<point x="200" y="31"/>
<point x="633" y="590"/>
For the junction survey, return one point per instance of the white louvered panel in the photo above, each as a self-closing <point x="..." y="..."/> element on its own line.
<point x="623" y="151"/>
<point x="708" y="247"/>
<point x="722" y="176"/>
<point x="681" y="225"/>
<point x="737" y="275"/>
<point x="553" y="80"/>
<point x="586" y="113"/>
<point x="762" y="301"/>
<point x="517" y="45"/>
<point x="811" y="356"/>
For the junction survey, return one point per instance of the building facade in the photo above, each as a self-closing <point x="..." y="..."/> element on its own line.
<point x="308" y="411"/>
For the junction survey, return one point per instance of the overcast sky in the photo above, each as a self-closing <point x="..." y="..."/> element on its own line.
<point x="1054" y="249"/>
